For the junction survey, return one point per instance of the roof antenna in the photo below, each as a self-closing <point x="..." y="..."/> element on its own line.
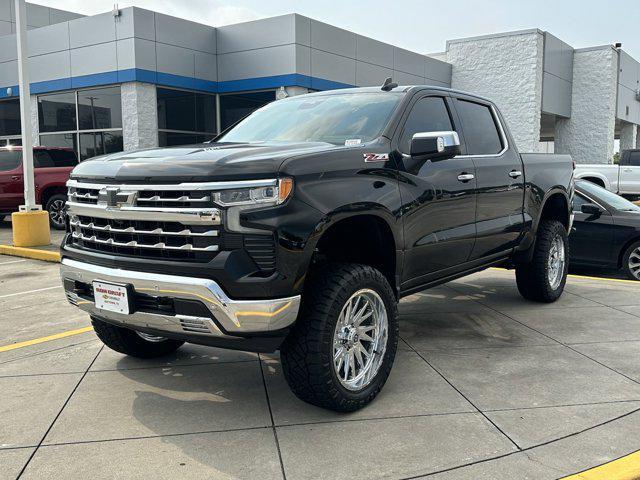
<point x="388" y="85"/>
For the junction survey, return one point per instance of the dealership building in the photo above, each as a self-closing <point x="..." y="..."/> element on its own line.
<point x="133" y="78"/>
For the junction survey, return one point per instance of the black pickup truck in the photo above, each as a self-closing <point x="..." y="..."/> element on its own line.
<point x="301" y="227"/>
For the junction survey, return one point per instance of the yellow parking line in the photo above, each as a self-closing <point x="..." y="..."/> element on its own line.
<point x="36" y="341"/>
<point x="625" y="468"/>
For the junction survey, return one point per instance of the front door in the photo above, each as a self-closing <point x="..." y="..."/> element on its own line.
<point x="499" y="179"/>
<point x="438" y="197"/>
<point x="591" y="239"/>
<point x="11" y="186"/>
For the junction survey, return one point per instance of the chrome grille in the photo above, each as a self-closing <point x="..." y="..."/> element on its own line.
<point x="135" y="196"/>
<point x="173" y="221"/>
<point x="145" y="238"/>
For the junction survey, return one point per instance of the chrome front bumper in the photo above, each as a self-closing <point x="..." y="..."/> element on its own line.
<point x="233" y="318"/>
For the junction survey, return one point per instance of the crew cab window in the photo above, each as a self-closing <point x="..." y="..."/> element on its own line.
<point x="480" y="131"/>
<point x="429" y="114"/>
<point x="54" y="158"/>
<point x="634" y="158"/>
<point x="9" y="160"/>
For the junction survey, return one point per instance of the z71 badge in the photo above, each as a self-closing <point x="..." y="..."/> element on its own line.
<point x="376" y="157"/>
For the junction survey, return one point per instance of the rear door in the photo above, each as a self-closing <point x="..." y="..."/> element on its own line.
<point x="438" y="198"/>
<point x="629" y="174"/>
<point x="11" y="186"/>
<point x="499" y="178"/>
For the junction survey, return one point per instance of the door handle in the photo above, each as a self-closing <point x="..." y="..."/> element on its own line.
<point x="627" y="170"/>
<point x="515" y="173"/>
<point x="15" y="178"/>
<point x="465" y="177"/>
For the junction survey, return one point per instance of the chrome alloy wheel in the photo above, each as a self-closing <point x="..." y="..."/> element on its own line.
<point x="57" y="213"/>
<point x="634" y="263"/>
<point x="555" y="263"/>
<point x="360" y="339"/>
<point x="150" y="338"/>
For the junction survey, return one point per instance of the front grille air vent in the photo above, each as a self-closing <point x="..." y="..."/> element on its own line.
<point x="262" y="250"/>
<point x="195" y="324"/>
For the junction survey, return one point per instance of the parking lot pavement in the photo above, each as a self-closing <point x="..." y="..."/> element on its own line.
<point x="485" y="385"/>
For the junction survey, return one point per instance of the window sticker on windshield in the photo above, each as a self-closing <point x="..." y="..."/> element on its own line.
<point x="350" y="142"/>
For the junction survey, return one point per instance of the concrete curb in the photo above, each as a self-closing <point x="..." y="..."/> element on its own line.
<point x="33" y="253"/>
<point x="624" y="468"/>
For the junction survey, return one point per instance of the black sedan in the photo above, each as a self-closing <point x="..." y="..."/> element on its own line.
<point x="606" y="230"/>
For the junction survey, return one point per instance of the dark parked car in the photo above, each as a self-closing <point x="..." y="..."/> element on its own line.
<point x="52" y="167"/>
<point x="606" y="230"/>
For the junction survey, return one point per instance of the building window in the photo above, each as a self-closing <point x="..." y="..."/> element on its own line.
<point x="88" y="121"/>
<point x="57" y="112"/>
<point x="236" y="106"/>
<point x="9" y="122"/>
<point x="185" y="117"/>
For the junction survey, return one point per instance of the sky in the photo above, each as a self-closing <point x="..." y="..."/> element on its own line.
<point x="421" y="26"/>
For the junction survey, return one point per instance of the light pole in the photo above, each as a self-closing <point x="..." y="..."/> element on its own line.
<point x="25" y="108"/>
<point x="30" y="225"/>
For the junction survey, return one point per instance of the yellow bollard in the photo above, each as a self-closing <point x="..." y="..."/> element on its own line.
<point x="31" y="229"/>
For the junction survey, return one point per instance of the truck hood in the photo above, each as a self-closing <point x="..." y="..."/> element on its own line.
<point x="195" y="163"/>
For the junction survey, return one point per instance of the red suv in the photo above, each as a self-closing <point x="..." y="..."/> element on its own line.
<point x="51" y="171"/>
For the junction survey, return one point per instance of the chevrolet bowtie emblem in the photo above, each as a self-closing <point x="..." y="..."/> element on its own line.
<point x="111" y="196"/>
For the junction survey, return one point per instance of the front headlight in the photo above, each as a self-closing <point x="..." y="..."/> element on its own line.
<point x="272" y="192"/>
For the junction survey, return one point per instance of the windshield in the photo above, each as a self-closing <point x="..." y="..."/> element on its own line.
<point x="616" y="201"/>
<point x="349" y="118"/>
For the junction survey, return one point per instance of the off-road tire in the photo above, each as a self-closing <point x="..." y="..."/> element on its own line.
<point x="532" y="278"/>
<point x="130" y="343"/>
<point x="307" y="353"/>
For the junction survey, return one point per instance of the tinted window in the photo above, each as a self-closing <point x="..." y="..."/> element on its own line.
<point x="332" y="118"/>
<point x="170" y="139"/>
<point x="99" y="143"/>
<point x="427" y="115"/>
<point x="480" y="131"/>
<point x="99" y="108"/>
<point x="186" y="111"/>
<point x="634" y="158"/>
<point x="57" y="113"/>
<point x="9" y="160"/>
<point x="578" y="201"/>
<point x="605" y="196"/>
<point x="10" y="117"/>
<point x="237" y="106"/>
<point x="54" y="158"/>
<point x="63" y="140"/>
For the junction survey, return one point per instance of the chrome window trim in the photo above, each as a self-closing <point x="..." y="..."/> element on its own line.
<point x="501" y="131"/>
<point x="197" y="186"/>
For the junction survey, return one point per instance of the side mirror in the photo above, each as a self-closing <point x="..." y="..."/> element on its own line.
<point x="590" y="209"/>
<point x="435" y="145"/>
